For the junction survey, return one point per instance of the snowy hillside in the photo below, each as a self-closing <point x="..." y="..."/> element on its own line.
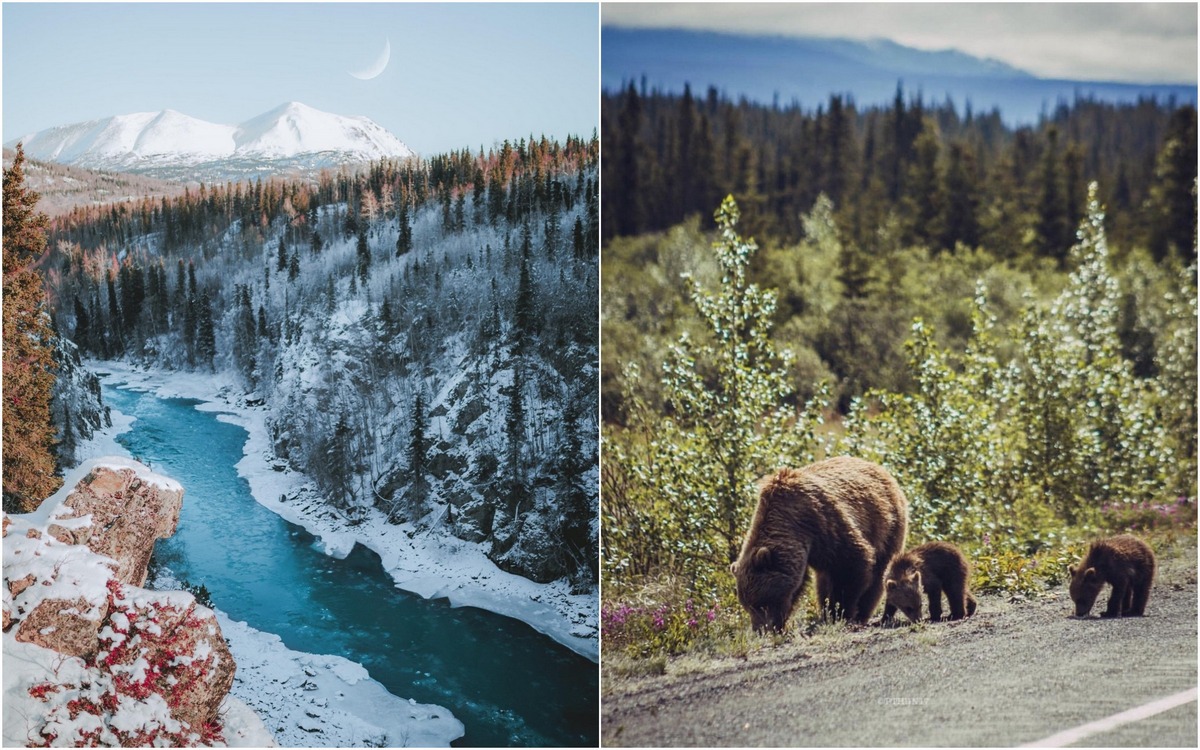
<point x="172" y="145"/>
<point x="423" y="335"/>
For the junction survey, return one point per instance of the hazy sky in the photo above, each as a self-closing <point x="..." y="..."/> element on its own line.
<point x="1128" y="42"/>
<point x="460" y="75"/>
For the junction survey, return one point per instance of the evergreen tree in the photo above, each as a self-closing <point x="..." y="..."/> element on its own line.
<point x="514" y="433"/>
<point x="363" y="262"/>
<point x="281" y="257"/>
<point x="29" y="467"/>
<point x="1053" y="228"/>
<point x="578" y="244"/>
<point x="1173" y="193"/>
<point x="960" y="222"/>
<point x="191" y="316"/>
<point x="404" y="237"/>
<point x="524" y="316"/>
<point x="418" y="458"/>
<point x="117" y="340"/>
<point x="206" y="343"/>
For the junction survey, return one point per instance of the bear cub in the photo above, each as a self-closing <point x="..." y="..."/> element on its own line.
<point x="1125" y="562"/>
<point x="935" y="568"/>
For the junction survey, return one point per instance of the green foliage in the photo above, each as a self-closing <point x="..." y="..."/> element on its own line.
<point x="1004" y="447"/>
<point x="685" y="482"/>
<point x="1001" y="569"/>
<point x="946" y="441"/>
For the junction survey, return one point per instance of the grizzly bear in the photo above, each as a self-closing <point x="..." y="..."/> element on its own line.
<point x="1124" y="561"/>
<point x="935" y="568"/>
<point x="845" y="518"/>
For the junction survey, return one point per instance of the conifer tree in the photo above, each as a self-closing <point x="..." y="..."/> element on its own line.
<point x="363" y="263"/>
<point x="418" y="457"/>
<point x="206" y="343"/>
<point x="29" y="470"/>
<point x="404" y="237"/>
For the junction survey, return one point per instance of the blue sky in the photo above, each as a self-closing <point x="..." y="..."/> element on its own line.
<point x="460" y="75"/>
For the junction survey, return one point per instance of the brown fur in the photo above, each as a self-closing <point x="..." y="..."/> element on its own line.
<point x="1125" y="562"/>
<point x="934" y="568"/>
<point x="843" y="517"/>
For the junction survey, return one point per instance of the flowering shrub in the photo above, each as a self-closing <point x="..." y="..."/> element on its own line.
<point x="1150" y="516"/>
<point x="664" y="619"/>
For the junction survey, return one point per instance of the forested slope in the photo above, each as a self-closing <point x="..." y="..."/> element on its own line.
<point x="423" y="333"/>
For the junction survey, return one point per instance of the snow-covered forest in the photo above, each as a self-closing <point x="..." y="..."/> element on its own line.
<point x="423" y="333"/>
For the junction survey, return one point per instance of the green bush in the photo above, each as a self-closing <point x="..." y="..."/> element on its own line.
<point x="685" y="481"/>
<point x="1008" y="440"/>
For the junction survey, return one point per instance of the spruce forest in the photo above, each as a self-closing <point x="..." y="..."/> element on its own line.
<point x="423" y="332"/>
<point x="1002" y="316"/>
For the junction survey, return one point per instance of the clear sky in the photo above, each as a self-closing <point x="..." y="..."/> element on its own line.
<point x="1126" y="42"/>
<point x="460" y="75"/>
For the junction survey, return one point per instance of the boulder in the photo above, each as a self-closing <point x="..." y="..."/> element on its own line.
<point x="72" y="575"/>
<point x="128" y="511"/>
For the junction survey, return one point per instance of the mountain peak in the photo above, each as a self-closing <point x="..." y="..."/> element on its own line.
<point x="171" y="144"/>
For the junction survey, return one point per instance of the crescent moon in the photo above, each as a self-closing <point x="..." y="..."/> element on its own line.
<point x="377" y="67"/>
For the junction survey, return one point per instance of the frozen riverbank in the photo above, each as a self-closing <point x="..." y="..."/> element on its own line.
<point x="426" y="563"/>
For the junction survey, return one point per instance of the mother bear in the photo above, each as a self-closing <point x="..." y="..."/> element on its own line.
<point x="843" y="517"/>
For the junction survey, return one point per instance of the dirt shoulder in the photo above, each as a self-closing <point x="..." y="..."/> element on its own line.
<point x="1016" y="672"/>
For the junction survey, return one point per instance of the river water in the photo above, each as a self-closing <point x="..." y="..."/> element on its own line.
<point x="507" y="683"/>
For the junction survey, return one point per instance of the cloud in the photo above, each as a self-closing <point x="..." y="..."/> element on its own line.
<point x="1131" y="42"/>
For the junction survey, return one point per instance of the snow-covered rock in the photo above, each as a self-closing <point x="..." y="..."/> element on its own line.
<point x="90" y="657"/>
<point x="119" y="510"/>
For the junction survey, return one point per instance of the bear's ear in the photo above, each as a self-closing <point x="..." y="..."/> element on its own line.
<point x="762" y="557"/>
<point x="733" y="567"/>
<point x="1071" y="570"/>
<point x="1089" y="573"/>
<point x="890" y="584"/>
<point x="916" y="578"/>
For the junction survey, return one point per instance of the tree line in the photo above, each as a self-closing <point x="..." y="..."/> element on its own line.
<point x="945" y="177"/>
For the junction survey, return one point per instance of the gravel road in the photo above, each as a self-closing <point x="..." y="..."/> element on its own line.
<point x="1016" y="672"/>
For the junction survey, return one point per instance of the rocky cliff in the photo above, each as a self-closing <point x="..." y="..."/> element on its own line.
<point x="90" y="657"/>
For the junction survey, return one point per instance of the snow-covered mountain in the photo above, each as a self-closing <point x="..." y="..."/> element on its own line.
<point x="292" y="138"/>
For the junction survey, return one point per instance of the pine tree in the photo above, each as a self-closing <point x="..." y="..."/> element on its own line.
<point x="578" y="245"/>
<point x="29" y="470"/>
<point x="281" y="257"/>
<point x="404" y="237"/>
<point x="206" y="343"/>
<point x="514" y="433"/>
<point x="524" y="316"/>
<point x="363" y="263"/>
<point x="1053" y="229"/>
<point x="1172" y="201"/>
<point x="418" y="458"/>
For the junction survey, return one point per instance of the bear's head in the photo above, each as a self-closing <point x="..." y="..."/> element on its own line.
<point x="765" y="588"/>
<point x="904" y="593"/>
<point x="1085" y="587"/>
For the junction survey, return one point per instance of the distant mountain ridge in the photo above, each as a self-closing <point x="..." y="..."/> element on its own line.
<point x="171" y="145"/>
<point x="808" y="69"/>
